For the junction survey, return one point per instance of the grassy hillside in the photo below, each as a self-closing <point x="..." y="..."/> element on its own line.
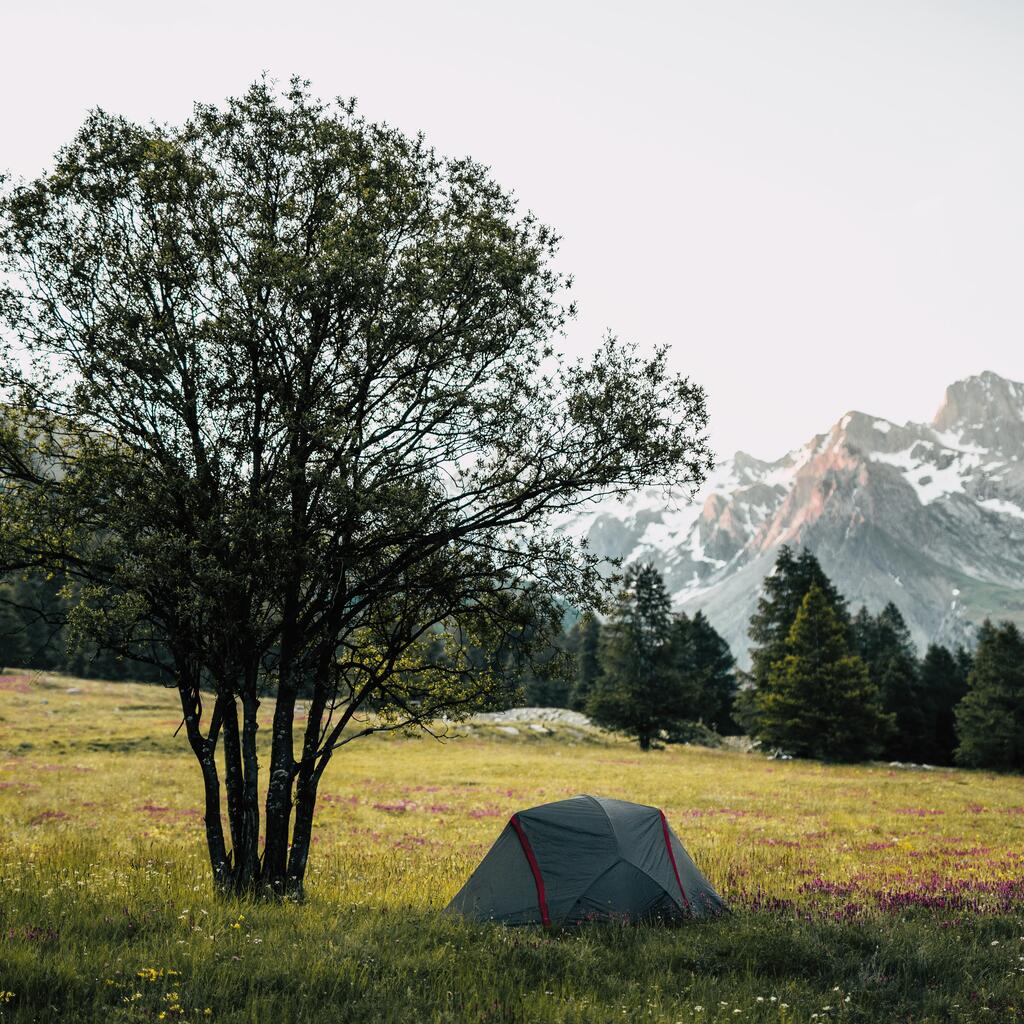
<point x="860" y="894"/>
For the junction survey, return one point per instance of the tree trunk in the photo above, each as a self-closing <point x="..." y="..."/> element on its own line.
<point x="306" y="787"/>
<point x="205" y="750"/>
<point x="279" y="792"/>
<point x="233" y="780"/>
<point x="645" y="741"/>
<point x="302" y="834"/>
<point x="241" y="780"/>
<point x="249" y="868"/>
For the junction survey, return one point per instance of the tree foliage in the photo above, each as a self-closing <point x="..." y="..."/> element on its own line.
<point x="703" y="659"/>
<point x="640" y="690"/>
<point x="819" y="700"/>
<point x="282" y="401"/>
<point x="14" y="647"/>
<point x="782" y="594"/>
<point x="884" y="644"/>
<point x="943" y="683"/>
<point x="658" y="674"/>
<point x="990" y="718"/>
<point x="585" y="644"/>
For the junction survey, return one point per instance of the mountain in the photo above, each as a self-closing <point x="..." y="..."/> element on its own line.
<point x="927" y="515"/>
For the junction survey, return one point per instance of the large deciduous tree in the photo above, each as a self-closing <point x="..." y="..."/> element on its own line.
<point x="282" y="404"/>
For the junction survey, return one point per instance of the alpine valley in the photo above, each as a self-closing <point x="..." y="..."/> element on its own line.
<point x="929" y="516"/>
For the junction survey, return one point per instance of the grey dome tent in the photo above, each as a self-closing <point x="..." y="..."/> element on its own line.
<point x="584" y="859"/>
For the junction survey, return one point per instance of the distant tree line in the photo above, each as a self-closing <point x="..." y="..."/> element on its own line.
<point x="823" y="683"/>
<point x="35" y="634"/>
<point x="645" y="671"/>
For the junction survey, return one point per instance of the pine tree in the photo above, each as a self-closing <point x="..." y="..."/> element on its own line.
<point x="639" y="692"/>
<point x="818" y="700"/>
<point x="943" y="679"/>
<point x="886" y="648"/>
<point x="783" y="592"/>
<point x="586" y="642"/>
<point x="706" y="663"/>
<point x="990" y="718"/>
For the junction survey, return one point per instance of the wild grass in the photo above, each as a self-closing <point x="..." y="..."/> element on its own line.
<point x="868" y="894"/>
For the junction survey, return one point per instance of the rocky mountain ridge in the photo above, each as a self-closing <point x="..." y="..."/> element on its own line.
<point x="927" y="515"/>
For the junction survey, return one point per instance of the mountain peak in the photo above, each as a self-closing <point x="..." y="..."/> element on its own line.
<point x="984" y="396"/>
<point x="986" y="410"/>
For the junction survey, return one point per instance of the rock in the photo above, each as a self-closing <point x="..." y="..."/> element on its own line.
<point x="555" y="716"/>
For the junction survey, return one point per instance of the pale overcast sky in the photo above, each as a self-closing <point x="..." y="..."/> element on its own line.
<point x="819" y="205"/>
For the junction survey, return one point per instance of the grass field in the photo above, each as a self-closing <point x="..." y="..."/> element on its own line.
<point x="869" y="894"/>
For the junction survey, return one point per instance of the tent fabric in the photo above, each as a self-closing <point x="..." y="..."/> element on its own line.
<point x="582" y="859"/>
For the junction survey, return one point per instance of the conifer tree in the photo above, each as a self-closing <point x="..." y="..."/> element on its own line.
<point x="990" y="718"/>
<point x="782" y="594"/>
<point x="638" y="691"/>
<point x="704" y="660"/>
<point x="886" y="648"/>
<point x="818" y="700"/>
<point x="586" y="640"/>
<point x="943" y="683"/>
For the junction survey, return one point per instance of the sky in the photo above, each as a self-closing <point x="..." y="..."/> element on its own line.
<point x="817" y="205"/>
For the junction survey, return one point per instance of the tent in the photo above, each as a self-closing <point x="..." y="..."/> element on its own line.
<point x="584" y="859"/>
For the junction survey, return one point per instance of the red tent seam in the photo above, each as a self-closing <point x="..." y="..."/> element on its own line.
<point x="542" y="901"/>
<point x="672" y="857"/>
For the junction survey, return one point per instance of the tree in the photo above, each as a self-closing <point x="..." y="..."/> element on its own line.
<point x="990" y="718"/>
<point x="282" y="401"/>
<point x="640" y="691"/>
<point x="943" y="683"/>
<point x="545" y="681"/>
<point x="782" y="594"/>
<point x="704" y="660"/>
<point x="884" y="644"/>
<point x="14" y="648"/>
<point x="819" y="700"/>
<point x="586" y="639"/>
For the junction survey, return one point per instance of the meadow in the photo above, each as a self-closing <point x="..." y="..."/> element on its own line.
<point x="869" y="894"/>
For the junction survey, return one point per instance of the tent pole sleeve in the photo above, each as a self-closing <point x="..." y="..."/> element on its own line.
<point x="542" y="901"/>
<point x="672" y="857"/>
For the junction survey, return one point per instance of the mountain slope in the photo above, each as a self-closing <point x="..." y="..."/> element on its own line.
<point x="929" y="516"/>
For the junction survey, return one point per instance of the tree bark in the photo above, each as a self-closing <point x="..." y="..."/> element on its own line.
<point x="219" y="862"/>
<point x="233" y="780"/>
<point x="249" y="867"/>
<point x="241" y="781"/>
<point x="279" y="786"/>
<point x="305" y="789"/>
<point x="205" y="749"/>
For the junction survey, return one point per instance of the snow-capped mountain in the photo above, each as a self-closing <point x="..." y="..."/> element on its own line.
<point x="928" y="515"/>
